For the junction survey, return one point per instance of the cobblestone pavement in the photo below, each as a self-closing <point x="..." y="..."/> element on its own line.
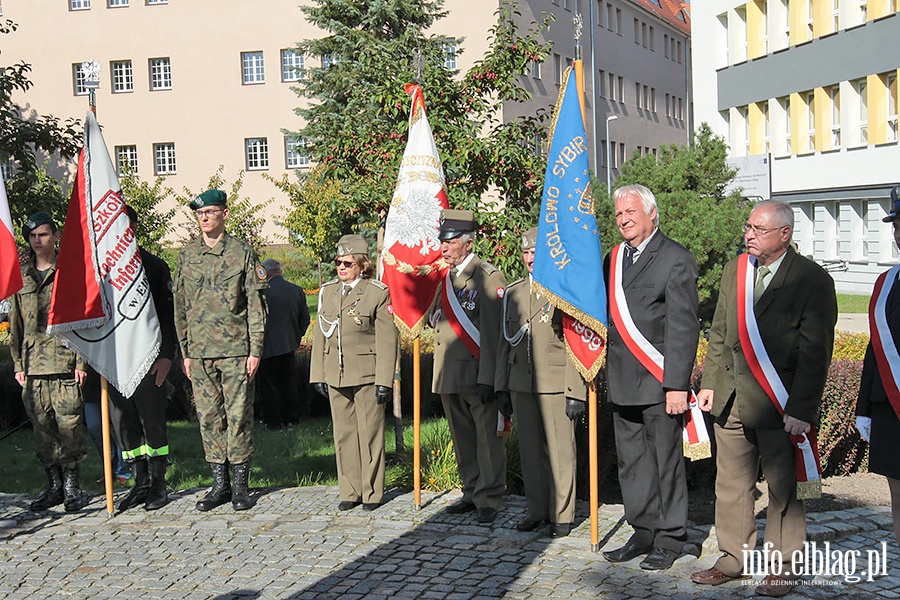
<point x="296" y="544"/>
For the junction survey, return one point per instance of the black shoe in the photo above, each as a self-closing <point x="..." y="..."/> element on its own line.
<point x="659" y="560"/>
<point x="240" y="492"/>
<point x="460" y="506"/>
<point x="157" y="496"/>
<point x="626" y="552"/>
<point x="527" y="524"/>
<point x="486" y="514"/>
<point x="220" y="493"/>
<point x="560" y="529"/>
<point x="347" y="505"/>
<point x="370" y="506"/>
<point x="74" y="499"/>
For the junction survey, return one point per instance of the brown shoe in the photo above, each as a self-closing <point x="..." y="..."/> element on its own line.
<point x="775" y="586"/>
<point x="713" y="576"/>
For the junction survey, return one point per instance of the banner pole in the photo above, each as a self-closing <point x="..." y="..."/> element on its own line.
<point x="107" y="460"/>
<point x="417" y="417"/>
<point x="399" y="444"/>
<point x="593" y="466"/>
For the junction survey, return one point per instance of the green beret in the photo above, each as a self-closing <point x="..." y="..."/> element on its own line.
<point x="529" y="239"/>
<point x="454" y="223"/>
<point x="35" y="221"/>
<point x="209" y="198"/>
<point x="352" y="244"/>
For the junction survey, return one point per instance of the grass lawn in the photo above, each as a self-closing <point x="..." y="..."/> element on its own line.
<point x="852" y="303"/>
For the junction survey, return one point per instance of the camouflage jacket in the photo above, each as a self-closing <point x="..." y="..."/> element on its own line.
<point x="33" y="351"/>
<point x="220" y="306"/>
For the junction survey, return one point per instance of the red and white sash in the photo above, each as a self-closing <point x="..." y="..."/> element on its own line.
<point x="884" y="345"/>
<point x="459" y="321"/>
<point x="695" y="437"/>
<point x="807" y="456"/>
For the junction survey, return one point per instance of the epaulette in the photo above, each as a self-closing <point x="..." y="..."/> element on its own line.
<point x="517" y="282"/>
<point x="333" y="281"/>
<point x="489" y="268"/>
<point x="379" y="284"/>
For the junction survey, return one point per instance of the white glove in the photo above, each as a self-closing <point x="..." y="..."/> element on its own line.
<point x="864" y="426"/>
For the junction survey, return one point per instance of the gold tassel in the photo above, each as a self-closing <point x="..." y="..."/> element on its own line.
<point x="809" y="490"/>
<point x="697" y="451"/>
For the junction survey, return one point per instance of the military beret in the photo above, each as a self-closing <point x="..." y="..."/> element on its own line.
<point x="895" y="203"/>
<point x="352" y="244"/>
<point x="209" y="198"/>
<point x="529" y="239"/>
<point x="35" y="221"/>
<point x="454" y="223"/>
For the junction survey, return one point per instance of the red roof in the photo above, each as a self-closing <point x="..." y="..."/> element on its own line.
<point x="675" y="12"/>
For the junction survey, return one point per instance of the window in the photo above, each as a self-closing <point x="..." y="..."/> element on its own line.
<point x="666" y="44"/>
<point x="652" y="35"/>
<point x="450" y="56"/>
<point x="785" y="105"/>
<point x="644" y="41"/>
<point x="744" y="111"/>
<point x="621" y="89"/>
<point x="891" y="89"/>
<point x="601" y="84"/>
<point x="835" y="94"/>
<point x="680" y="110"/>
<point x="164" y="159"/>
<point x="115" y="3"/>
<point x="79" y="4"/>
<point x="863" y="99"/>
<point x="653" y="99"/>
<point x="78" y="81"/>
<point x="610" y="17"/>
<point x="612" y="87"/>
<point x="619" y="21"/>
<point x="160" y="74"/>
<point x="557" y="69"/>
<point x="835" y="15"/>
<point x="157" y="1"/>
<point x="620" y="159"/>
<point x="811" y="124"/>
<point x="295" y="153"/>
<point x="765" y="116"/>
<point x="534" y="67"/>
<point x="257" y="150"/>
<point x="637" y="31"/>
<point x="638" y="97"/>
<point x="678" y="55"/>
<point x="253" y="69"/>
<point x="122" y="77"/>
<point x="327" y="61"/>
<point x="292" y="65"/>
<point x="600" y="13"/>
<point x="126" y="159"/>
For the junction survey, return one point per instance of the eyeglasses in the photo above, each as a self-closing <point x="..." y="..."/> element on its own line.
<point x="344" y="263"/>
<point x="747" y="227"/>
<point x="207" y="214"/>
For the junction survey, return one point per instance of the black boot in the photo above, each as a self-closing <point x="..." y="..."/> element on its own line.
<point x="141" y="485"/>
<point x="220" y="493"/>
<point x="53" y="495"/>
<point x="72" y="487"/>
<point x="157" y="498"/>
<point x="241" y="499"/>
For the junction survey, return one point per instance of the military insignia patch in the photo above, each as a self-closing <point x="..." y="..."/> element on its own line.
<point x="170" y="285"/>
<point x="390" y="309"/>
<point x="501" y="292"/>
<point x="261" y="273"/>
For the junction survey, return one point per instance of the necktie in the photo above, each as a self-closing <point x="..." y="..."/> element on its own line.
<point x="760" y="286"/>
<point x="629" y="258"/>
<point x="345" y="291"/>
<point x="453" y="273"/>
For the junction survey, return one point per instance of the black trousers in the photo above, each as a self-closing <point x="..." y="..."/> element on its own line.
<point x="276" y="390"/>
<point x="140" y="421"/>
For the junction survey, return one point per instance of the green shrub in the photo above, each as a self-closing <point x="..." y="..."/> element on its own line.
<point x="841" y="449"/>
<point x="850" y="346"/>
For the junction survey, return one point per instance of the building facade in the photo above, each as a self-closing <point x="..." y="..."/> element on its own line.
<point x="189" y="86"/>
<point x="812" y="84"/>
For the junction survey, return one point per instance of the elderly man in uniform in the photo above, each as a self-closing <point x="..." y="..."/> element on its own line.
<point x="466" y="318"/>
<point x="548" y="394"/>
<point x="49" y="374"/>
<point x="352" y="364"/>
<point x="220" y="316"/>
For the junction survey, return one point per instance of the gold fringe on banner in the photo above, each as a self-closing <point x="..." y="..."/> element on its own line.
<point x="697" y="451"/>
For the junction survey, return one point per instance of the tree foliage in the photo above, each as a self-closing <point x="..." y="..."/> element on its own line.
<point x="694" y="208"/>
<point x="356" y="120"/>
<point x="154" y="223"/>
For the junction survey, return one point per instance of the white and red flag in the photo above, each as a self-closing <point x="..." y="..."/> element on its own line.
<point x="101" y="305"/>
<point x="411" y="259"/>
<point x="10" y="272"/>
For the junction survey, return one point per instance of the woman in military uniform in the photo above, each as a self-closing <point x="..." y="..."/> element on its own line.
<point x="353" y="356"/>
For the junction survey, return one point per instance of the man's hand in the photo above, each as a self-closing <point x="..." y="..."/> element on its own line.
<point x="383" y="394"/>
<point x="795" y="426"/>
<point x="186" y="365"/>
<point x="486" y="392"/>
<point x="505" y="402"/>
<point x="252" y="366"/>
<point x="676" y="402"/>
<point x="160" y="369"/>
<point x="80" y="376"/>
<point x="321" y="389"/>
<point x="864" y="426"/>
<point x="705" y="400"/>
<point x="575" y="408"/>
<point x="20" y="377"/>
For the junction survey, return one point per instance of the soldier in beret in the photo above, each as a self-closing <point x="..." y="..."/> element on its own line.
<point x="352" y="364"/>
<point x="466" y="318"/>
<point x="50" y="375"/>
<point x="548" y="394"/>
<point x="220" y="318"/>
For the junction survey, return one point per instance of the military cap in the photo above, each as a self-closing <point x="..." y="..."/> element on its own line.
<point x="35" y="221"/>
<point x="454" y="223"/>
<point x="352" y="244"/>
<point x="895" y="203"/>
<point x="209" y="198"/>
<point x="529" y="239"/>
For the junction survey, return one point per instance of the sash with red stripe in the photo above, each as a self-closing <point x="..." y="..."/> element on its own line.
<point x="809" y="482"/>
<point x="459" y="321"/>
<point x="884" y="345"/>
<point x="695" y="436"/>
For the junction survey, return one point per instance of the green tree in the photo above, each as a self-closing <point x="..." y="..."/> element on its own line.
<point x="356" y="119"/>
<point x="694" y="208"/>
<point x="154" y="224"/>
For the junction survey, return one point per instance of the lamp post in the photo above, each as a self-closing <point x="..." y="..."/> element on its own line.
<point x="608" y="156"/>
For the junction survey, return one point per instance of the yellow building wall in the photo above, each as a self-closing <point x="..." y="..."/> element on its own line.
<point x="798" y="124"/>
<point x="877" y="102"/>
<point x="797" y="19"/>
<point x="876" y="9"/>
<point x="757" y="128"/>
<point x="823" y="120"/>
<point x="756" y="29"/>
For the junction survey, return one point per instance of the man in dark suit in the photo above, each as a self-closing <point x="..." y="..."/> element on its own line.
<point x="288" y="321"/>
<point x="653" y="308"/>
<point x="795" y="310"/>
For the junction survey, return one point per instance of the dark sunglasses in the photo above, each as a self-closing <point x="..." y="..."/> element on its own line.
<point x="344" y="263"/>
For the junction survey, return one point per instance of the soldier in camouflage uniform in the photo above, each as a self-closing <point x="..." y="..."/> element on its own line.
<point x="49" y="374"/>
<point x="220" y="317"/>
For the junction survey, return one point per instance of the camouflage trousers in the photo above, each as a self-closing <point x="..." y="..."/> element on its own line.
<point x="223" y="396"/>
<point x="56" y="409"/>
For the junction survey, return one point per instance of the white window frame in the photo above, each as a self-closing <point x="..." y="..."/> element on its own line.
<point x="834" y="95"/>
<point x="253" y="67"/>
<point x="835" y="15"/>
<point x="79" y="82"/>
<point x="126" y="155"/>
<point x="116" y="3"/>
<point x="891" y="106"/>
<point x="534" y="68"/>
<point x="122" y="74"/>
<point x="450" y="54"/>
<point x="861" y="86"/>
<point x="164" y="159"/>
<point x="557" y="69"/>
<point x="811" y="122"/>
<point x="256" y="153"/>
<point x="784" y="104"/>
<point x="327" y="61"/>
<point x="293" y="65"/>
<point x="79" y="4"/>
<point x="296" y="154"/>
<point x="150" y="2"/>
<point x="160" y="73"/>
